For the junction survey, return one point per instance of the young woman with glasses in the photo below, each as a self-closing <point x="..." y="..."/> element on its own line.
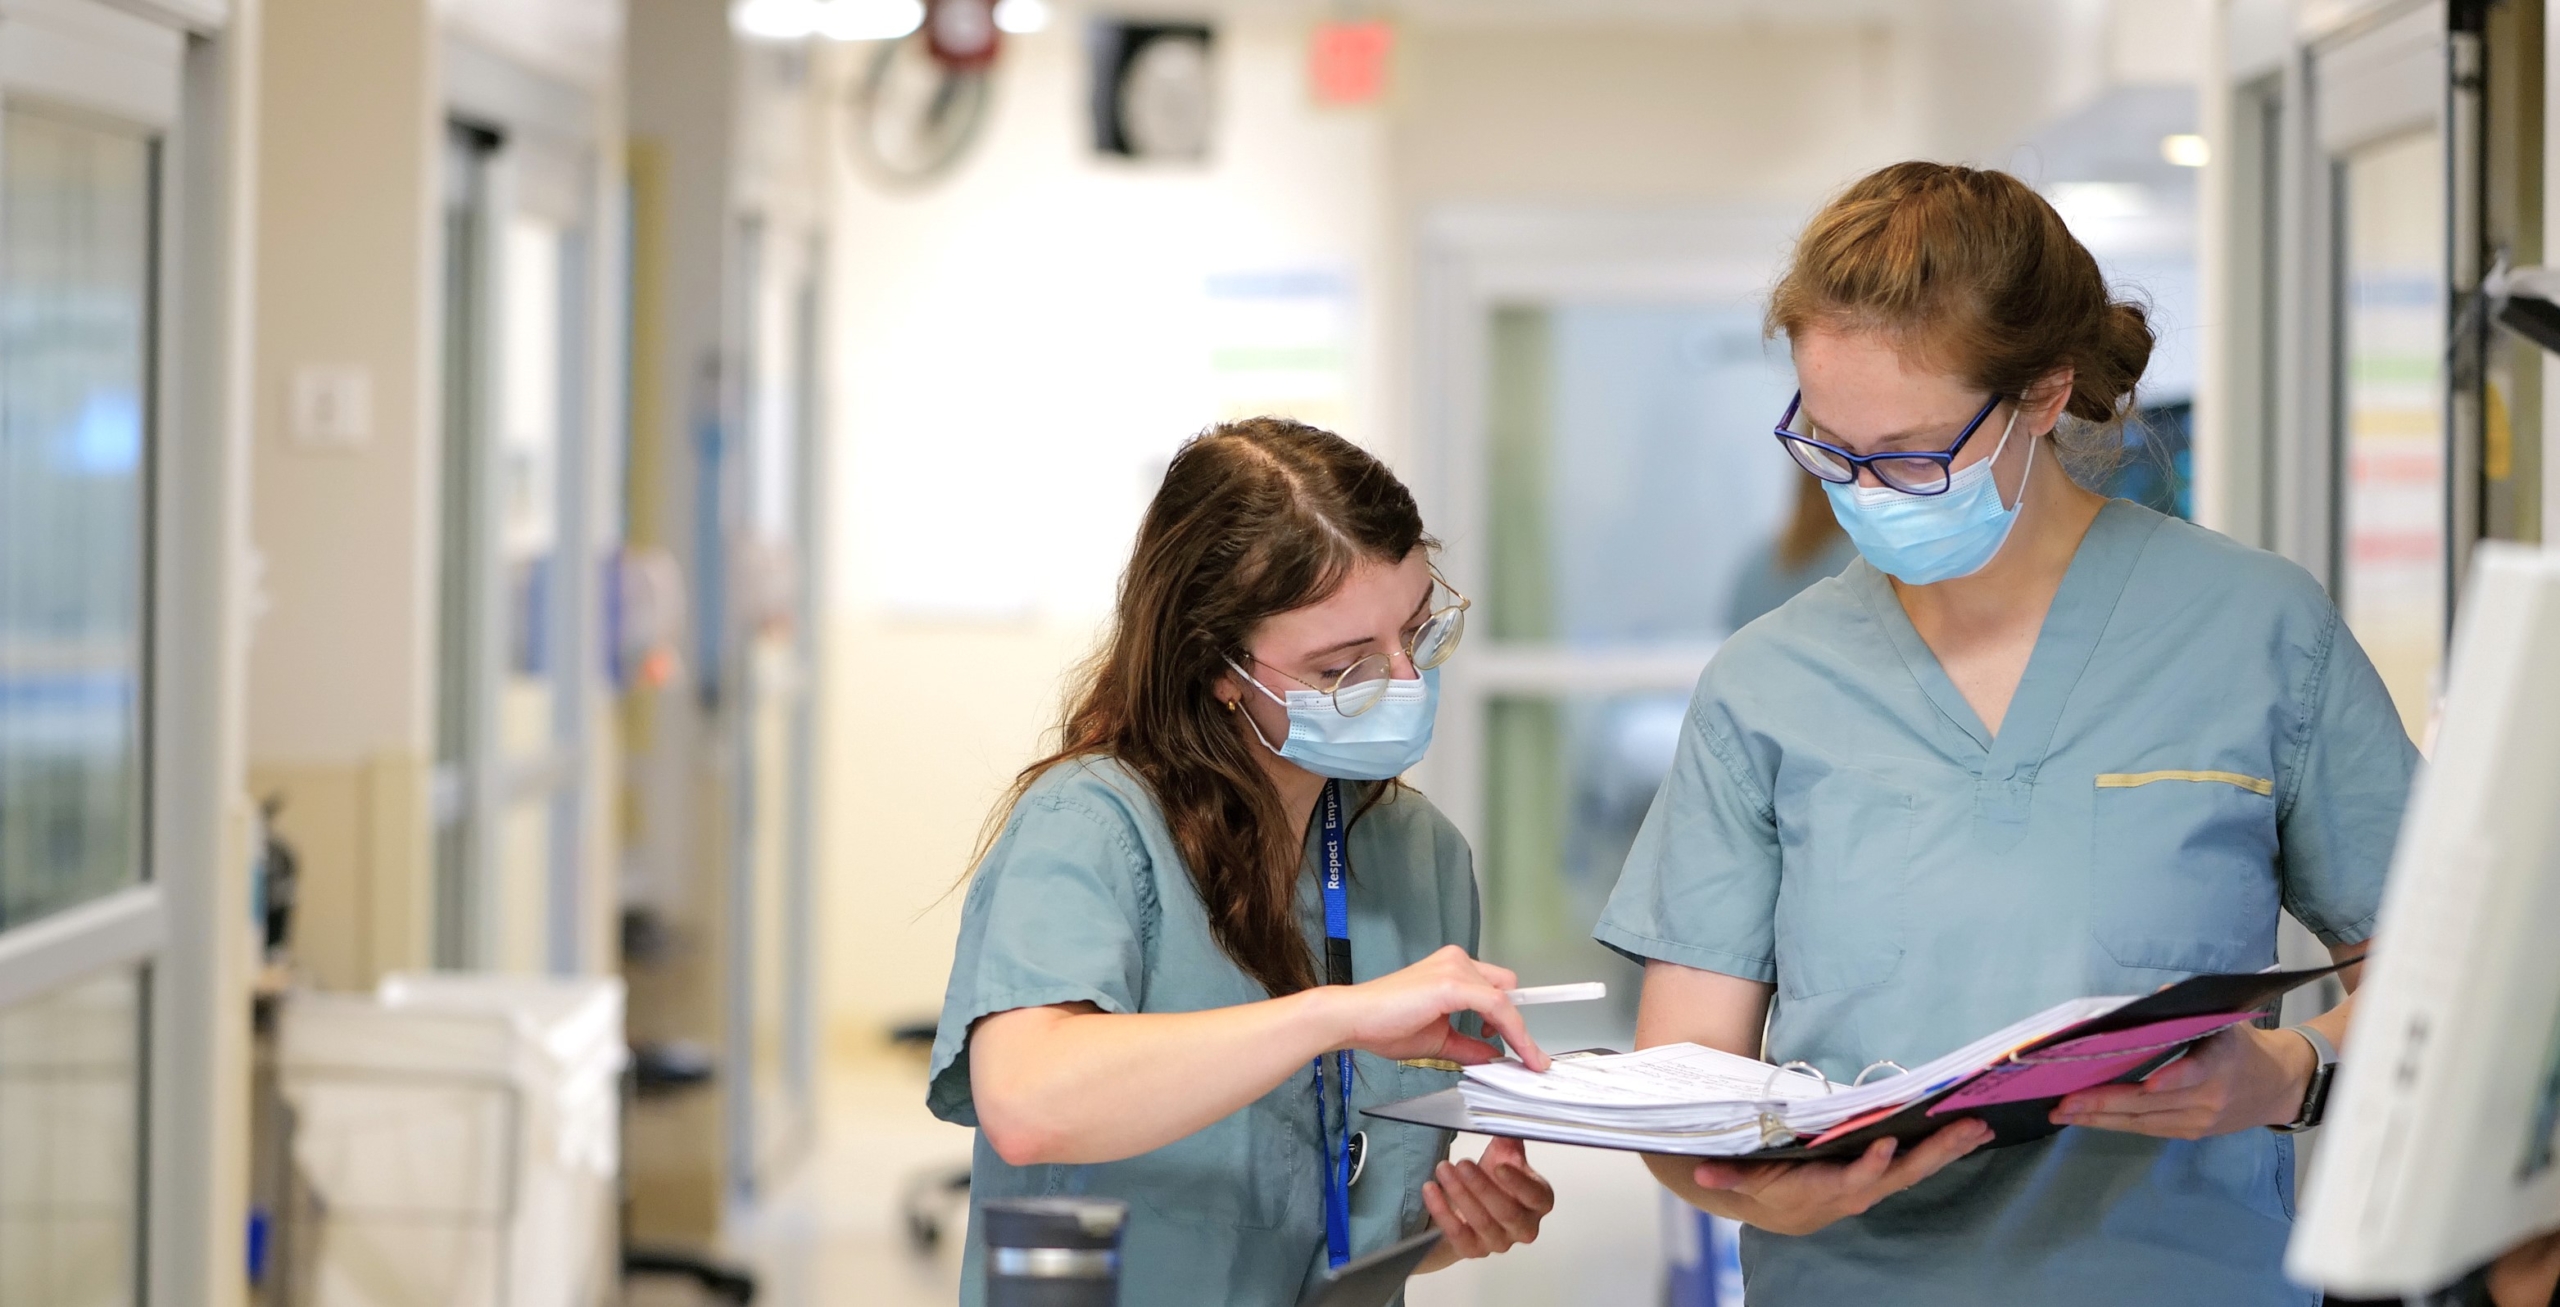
<point x="1161" y="994"/>
<point x="2036" y="745"/>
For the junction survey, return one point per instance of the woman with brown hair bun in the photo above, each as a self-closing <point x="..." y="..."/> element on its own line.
<point x="1160" y="994"/>
<point x="2035" y="745"/>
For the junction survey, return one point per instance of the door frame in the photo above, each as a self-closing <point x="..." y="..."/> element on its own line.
<point x="181" y="69"/>
<point x="778" y="294"/>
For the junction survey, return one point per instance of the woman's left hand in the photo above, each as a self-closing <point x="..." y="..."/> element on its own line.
<point x="2237" y="1080"/>
<point x="1487" y="1206"/>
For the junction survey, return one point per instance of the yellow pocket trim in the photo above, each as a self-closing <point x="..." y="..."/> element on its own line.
<point x="2128" y="780"/>
<point x="1431" y="1064"/>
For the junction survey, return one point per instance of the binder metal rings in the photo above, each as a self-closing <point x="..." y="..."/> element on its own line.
<point x="1871" y="1067"/>
<point x="1773" y="1130"/>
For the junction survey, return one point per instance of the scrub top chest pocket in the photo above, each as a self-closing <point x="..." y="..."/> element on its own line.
<point x="1844" y="839"/>
<point x="2182" y="868"/>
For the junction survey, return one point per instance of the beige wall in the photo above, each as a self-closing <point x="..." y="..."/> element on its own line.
<point x="926" y="726"/>
<point x="340" y="676"/>
<point x="1643" y="116"/>
<point x="347" y="224"/>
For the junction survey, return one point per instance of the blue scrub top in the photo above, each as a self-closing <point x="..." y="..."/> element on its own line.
<point x="2197" y="741"/>
<point x="1085" y="899"/>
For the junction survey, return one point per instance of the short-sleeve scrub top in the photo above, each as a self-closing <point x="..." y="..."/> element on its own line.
<point x="2197" y="743"/>
<point x="1084" y="898"/>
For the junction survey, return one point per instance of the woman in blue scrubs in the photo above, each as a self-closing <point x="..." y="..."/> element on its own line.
<point x="1160" y="993"/>
<point x="2035" y="745"/>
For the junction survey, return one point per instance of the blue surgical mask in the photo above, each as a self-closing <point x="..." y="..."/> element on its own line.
<point x="1924" y="539"/>
<point x="1380" y="744"/>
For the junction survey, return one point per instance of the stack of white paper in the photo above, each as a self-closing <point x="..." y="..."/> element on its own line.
<point x="1686" y="1098"/>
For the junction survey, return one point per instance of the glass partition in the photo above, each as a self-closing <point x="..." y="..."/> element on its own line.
<point x="75" y="296"/>
<point x="70" y="1144"/>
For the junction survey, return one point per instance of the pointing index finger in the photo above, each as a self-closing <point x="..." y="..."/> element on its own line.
<point x="1515" y="1032"/>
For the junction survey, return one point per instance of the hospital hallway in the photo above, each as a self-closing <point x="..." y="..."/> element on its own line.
<point x="585" y="583"/>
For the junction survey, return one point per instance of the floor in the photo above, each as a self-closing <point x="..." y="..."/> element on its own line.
<point x="833" y="1233"/>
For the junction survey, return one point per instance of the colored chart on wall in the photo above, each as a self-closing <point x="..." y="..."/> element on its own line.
<point x="2391" y="558"/>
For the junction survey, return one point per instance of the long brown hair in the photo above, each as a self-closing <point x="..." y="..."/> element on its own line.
<point x="1255" y="518"/>
<point x="1970" y="269"/>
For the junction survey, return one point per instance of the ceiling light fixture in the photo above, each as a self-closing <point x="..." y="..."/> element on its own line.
<point x="1021" y="17"/>
<point x="774" y="20"/>
<point x="869" y="20"/>
<point x="2186" y="149"/>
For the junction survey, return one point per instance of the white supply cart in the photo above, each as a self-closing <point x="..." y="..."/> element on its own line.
<point x="454" y="1142"/>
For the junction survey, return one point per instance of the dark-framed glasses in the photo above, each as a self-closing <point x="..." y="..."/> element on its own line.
<point x="1358" y="688"/>
<point x="1910" y="473"/>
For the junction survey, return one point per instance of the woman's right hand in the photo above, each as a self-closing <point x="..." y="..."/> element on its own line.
<point x="1405" y="1014"/>
<point x="1802" y="1197"/>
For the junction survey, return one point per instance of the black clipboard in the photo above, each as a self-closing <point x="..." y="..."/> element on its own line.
<point x="2011" y="1123"/>
<point x="1374" y="1280"/>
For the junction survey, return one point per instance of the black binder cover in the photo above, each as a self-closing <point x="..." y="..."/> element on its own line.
<point x="2011" y="1123"/>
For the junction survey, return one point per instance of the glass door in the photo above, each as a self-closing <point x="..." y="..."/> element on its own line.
<point x="2376" y="443"/>
<point x="518" y="675"/>
<point x="87" y="107"/>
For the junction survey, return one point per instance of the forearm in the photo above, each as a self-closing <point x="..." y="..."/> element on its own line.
<point x="2333" y="1023"/>
<point x="1056" y="1086"/>
<point x="1699" y="1007"/>
<point x="2294" y="1054"/>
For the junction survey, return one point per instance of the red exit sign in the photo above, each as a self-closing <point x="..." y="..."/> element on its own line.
<point x="1348" y="62"/>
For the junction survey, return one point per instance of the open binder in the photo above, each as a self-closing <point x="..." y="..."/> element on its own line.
<point x="1728" y="1106"/>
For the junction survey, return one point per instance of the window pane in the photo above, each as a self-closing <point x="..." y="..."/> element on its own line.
<point x="70" y="1130"/>
<point x="527" y="454"/>
<point x="1569" y="780"/>
<point x="1633" y="471"/>
<point x="2391" y="564"/>
<point x="75" y="204"/>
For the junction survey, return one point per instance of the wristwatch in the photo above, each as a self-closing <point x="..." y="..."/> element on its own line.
<point x="2315" y="1096"/>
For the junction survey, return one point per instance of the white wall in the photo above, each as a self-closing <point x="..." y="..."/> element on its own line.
<point x="1015" y="352"/>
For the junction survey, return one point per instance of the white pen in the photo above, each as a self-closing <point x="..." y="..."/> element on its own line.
<point x="1581" y="993"/>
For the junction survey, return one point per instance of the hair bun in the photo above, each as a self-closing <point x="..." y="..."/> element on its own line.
<point x="1969" y="271"/>
<point x="2103" y="384"/>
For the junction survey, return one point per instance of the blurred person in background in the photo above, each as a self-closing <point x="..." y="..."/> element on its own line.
<point x="1809" y="547"/>
<point x="1159" y="996"/>
<point x="2035" y="745"/>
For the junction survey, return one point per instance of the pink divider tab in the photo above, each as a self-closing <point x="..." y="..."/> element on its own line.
<point x="2078" y="1064"/>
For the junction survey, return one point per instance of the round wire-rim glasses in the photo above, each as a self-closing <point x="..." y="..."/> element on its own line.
<point x="1358" y="688"/>
<point x="1910" y="473"/>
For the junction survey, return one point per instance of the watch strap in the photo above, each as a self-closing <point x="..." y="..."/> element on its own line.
<point x="2315" y="1095"/>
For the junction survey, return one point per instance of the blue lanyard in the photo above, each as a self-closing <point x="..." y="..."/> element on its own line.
<point x="1335" y="1162"/>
